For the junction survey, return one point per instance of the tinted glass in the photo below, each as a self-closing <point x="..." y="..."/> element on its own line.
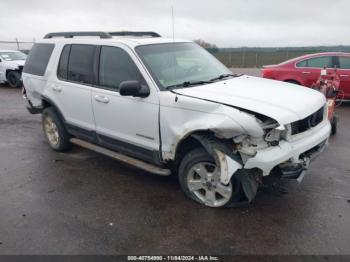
<point x="175" y="63"/>
<point x="38" y="59"/>
<point x="301" y="64"/>
<point x="116" y="66"/>
<point x="320" y="62"/>
<point x="344" y="62"/>
<point x="80" y="63"/>
<point x="62" y="71"/>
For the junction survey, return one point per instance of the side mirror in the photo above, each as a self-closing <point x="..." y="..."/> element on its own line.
<point x="133" y="88"/>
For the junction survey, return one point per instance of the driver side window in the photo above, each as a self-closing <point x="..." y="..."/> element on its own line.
<point x="115" y="67"/>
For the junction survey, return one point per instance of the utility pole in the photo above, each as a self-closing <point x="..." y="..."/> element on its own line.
<point x="17" y="43"/>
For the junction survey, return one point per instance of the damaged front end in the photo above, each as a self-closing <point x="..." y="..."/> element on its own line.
<point x="249" y="159"/>
<point x="230" y="163"/>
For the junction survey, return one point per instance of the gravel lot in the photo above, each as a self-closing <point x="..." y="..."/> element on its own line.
<point x="86" y="203"/>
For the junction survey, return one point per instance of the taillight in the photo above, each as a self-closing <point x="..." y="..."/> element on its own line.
<point x="267" y="73"/>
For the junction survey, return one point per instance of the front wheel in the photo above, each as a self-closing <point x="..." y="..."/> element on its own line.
<point x="14" y="79"/>
<point x="199" y="178"/>
<point x="334" y="123"/>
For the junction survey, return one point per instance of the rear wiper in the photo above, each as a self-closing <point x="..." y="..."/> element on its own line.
<point x="189" y="83"/>
<point x="223" y="76"/>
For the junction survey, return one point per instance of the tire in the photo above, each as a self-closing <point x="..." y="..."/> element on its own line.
<point x="55" y="131"/>
<point x="14" y="79"/>
<point x="334" y="126"/>
<point x="207" y="191"/>
<point x="292" y="82"/>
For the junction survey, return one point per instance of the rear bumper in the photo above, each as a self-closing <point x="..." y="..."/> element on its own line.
<point x="297" y="151"/>
<point x="32" y="109"/>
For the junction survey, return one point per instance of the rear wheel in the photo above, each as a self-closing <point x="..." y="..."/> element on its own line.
<point x="56" y="134"/>
<point x="199" y="178"/>
<point x="14" y="79"/>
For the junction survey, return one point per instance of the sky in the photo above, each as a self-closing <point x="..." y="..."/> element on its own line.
<point x="226" y="23"/>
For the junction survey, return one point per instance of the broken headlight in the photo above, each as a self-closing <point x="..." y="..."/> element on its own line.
<point x="273" y="132"/>
<point x="273" y="136"/>
<point x="248" y="145"/>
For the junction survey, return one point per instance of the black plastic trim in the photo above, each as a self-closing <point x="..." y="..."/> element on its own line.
<point x="72" y="34"/>
<point x="81" y="133"/>
<point x="151" y="156"/>
<point x="135" y="33"/>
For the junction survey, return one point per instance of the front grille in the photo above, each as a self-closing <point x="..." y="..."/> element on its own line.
<point x="308" y="122"/>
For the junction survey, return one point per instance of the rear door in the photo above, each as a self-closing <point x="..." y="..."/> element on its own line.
<point x="124" y="123"/>
<point x="310" y="69"/>
<point x="344" y="74"/>
<point x="71" y="90"/>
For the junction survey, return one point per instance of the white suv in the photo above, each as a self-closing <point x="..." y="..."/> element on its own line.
<point x="11" y="65"/>
<point x="168" y="106"/>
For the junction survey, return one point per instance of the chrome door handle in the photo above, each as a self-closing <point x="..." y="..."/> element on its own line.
<point x="306" y="73"/>
<point x="57" y="89"/>
<point x="102" y="99"/>
<point x="344" y="75"/>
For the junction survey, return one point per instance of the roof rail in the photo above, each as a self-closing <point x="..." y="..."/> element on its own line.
<point x="135" y="33"/>
<point x="72" y="34"/>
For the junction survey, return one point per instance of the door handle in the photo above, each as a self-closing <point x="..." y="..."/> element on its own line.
<point x="344" y="75"/>
<point x="102" y="99"/>
<point x="57" y="89"/>
<point x="306" y="73"/>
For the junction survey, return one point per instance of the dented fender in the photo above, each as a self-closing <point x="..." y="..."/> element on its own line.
<point x="228" y="166"/>
<point x="227" y="161"/>
<point x="181" y="117"/>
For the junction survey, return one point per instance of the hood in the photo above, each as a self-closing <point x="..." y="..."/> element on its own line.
<point x="284" y="102"/>
<point x="15" y="63"/>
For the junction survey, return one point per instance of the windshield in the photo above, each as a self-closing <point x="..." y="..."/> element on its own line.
<point x="175" y="64"/>
<point x="11" y="56"/>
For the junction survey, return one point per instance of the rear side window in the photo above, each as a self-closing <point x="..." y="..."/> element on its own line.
<point x="116" y="66"/>
<point x="38" y="59"/>
<point x="302" y="64"/>
<point x="80" y="63"/>
<point x="320" y="62"/>
<point x="62" y="71"/>
<point x="344" y="62"/>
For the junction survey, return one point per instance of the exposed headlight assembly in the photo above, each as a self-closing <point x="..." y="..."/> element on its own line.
<point x="273" y="136"/>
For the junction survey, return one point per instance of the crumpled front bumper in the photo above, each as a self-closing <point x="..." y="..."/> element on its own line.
<point x="300" y="149"/>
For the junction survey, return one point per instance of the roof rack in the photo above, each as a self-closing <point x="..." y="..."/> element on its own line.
<point x="72" y="34"/>
<point x="135" y="33"/>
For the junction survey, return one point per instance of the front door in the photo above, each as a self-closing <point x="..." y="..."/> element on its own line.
<point x="344" y="74"/>
<point x="310" y="69"/>
<point x="124" y="123"/>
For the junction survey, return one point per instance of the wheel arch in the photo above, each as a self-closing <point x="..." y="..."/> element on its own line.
<point x="188" y="143"/>
<point x="12" y="70"/>
<point x="293" y="81"/>
<point x="47" y="102"/>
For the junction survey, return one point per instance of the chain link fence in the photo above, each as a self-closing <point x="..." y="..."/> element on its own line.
<point x="258" y="57"/>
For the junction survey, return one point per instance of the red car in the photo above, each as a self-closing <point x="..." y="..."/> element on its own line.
<point x="305" y="70"/>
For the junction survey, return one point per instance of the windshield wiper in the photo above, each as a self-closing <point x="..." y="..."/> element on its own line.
<point x="189" y="83"/>
<point x="220" y="77"/>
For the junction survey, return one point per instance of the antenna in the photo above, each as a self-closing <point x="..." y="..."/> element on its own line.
<point x="172" y="21"/>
